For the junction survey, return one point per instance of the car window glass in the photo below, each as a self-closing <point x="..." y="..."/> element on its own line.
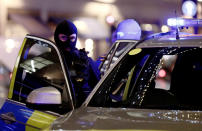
<point x="164" y="71"/>
<point x="169" y="78"/>
<point x="119" y="51"/>
<point x="105" y="64"/>
<point x="39" y="67"/>
<point x="178" y="86"/>
<point x="116" y="51"/>
<point x="120" y="79"/>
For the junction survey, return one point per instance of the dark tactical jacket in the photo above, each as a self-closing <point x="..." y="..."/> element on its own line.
<point x="83" y="73"/>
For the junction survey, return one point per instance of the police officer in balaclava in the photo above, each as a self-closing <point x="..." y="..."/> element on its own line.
<point x="82" y="69"/>
<point x="66" y="36"/>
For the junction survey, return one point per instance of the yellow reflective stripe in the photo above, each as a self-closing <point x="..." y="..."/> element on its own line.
<point x="125" y="93"/>
<point x="39" y="120"/>
<point x="10" y="93"/>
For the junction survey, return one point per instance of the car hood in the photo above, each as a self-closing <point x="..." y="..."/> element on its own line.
<point x="87" y="118"/>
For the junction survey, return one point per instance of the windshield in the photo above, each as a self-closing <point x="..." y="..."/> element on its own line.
<point x="159" y="78"/>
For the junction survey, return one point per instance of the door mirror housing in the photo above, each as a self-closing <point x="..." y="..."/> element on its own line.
<point x="45" y="95"/>
<point x="44" y="98"/>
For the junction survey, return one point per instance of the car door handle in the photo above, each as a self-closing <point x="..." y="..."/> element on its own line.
<point x="8" y="117"/>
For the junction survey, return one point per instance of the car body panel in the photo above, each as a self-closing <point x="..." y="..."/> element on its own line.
<point x="20" y="112"/>
<point x="40" y="120"/>
<point x="98" y="118"/>
<point x="25" y="118"/>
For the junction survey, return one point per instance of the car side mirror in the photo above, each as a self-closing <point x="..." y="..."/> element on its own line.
<point x="43" y="98"/>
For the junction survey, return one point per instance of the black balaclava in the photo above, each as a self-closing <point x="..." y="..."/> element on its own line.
<point x="68" y="28"/>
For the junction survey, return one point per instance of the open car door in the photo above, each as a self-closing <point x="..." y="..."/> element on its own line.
<point x="39" y="90"/>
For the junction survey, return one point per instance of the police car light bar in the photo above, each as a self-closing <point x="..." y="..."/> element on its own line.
<point x="182" y="22"/>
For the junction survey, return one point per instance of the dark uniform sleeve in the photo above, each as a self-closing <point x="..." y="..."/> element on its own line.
<point x="94" y="73"/>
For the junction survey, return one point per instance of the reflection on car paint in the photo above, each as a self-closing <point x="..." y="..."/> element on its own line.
<point x="40" y="120"/>
<point x="21" y="113"/>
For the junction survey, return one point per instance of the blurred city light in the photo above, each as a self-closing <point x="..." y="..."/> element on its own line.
<point x="110" y="19"/>
<point x="189" y="8"/>
<point x="94" y="8"/>
<point x="147" y="27"/>
<point x="89" y="45"/>
<point x="18" y="3"/>
<point x="162" y="73"/>
<point x="89" y="27"/>
<point x="184" y="22"/>
<point x="78" y="44"/>
<point x="175" y="22"/>
<point x="15" y="30"/>
<point x="10" y="44"/>
<point x="164" y="28"/>
<point x="81" y="25"/>
<point x="101" y="10"/>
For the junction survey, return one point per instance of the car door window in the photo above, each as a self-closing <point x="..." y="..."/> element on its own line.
<point x="105" y="64"/>
<point x="39" y="67"/>
<point x="167" y="78"/>
<point x="116" y="88"/>
<point x="173" y="77"/>
<point x="115" y="52"/>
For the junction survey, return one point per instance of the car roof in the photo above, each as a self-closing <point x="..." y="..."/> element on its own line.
<point x="169" y="40"/>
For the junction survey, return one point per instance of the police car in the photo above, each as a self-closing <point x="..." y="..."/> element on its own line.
<point x="153" y="85"/>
